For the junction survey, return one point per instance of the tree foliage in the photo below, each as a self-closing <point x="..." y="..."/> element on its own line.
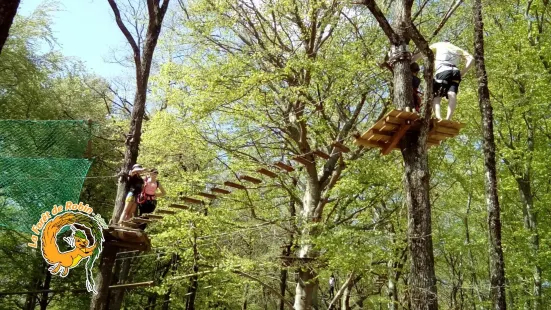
<point x="240" y="85"/>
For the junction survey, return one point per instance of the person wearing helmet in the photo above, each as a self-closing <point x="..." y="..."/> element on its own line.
<point x="135" y="186"/>
<point x="447" y="75"/>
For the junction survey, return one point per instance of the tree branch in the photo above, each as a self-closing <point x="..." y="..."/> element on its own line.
<point x="127" y="35"/>
<point x="383" y="22"/>
<point x="450" y="12"/>
<point x="341" y="290"/>
<point x="271" y="289"/>
<point x="420" y="10"/>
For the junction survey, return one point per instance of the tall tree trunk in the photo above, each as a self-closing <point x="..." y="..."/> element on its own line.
<point x="422" y="279"/>
<point x="46" y="286"/>
<point x="142" y="62"/>
<point x="245" y="294"/>
<point x="8" y="9"/>
<point x="531" y="223"/>
<point x="497" y="264"/>
<point x="160" y="272"/>
<point x="524" y="183"/>
<point x="283" y="273"/>
<point x="307" y="284"/>
<point x="103" y="280"/>
<point x="345" y="299"/>
<point x="166" y="300"/>
<point x="475" y="291"/>
<point x="194" y="283"/>
<point x="525" y="189"/>
<point x="173" y="266"/>
<point x="117" y="296"/>
<point x="37" y="283"/>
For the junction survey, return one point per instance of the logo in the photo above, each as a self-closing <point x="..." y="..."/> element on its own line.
<point x="82" y="241"/>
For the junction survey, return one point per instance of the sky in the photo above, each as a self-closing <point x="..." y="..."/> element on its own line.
<point x="86" y="30"/>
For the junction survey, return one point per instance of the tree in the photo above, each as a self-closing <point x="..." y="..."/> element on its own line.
<point x="272" y="73"/>
<point x="8" y="9"/>
<point x="143" y="57"/>
<point x="414" y="150"/>
<point x="497" y="264"/>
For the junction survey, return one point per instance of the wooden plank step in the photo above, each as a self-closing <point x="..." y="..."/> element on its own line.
<point x="368" y="143"/>
<point x="165" y="212"/>
<point x="207" y="195"/>
<point x="250" y="179"/>
<point x="114" y="240"/>
<point x="447" y="130"/>
<point x="129" y="235"/>
<point x="377" y="135"/>
<point x="141" y="220"/>
<point x="177" y="206"/>
<point x="386" y="126"/>
<point x="396" y="138"/>
<point x="192" y="200"/>
<point x="450" y="124"/>
<point x="284" y="166"/>
<point x="234" y="185"/>
<point x="321" y="154"/>
<point x="394" y="120"/>
<point x="220" y="190"/>
<point x="129" y="224"/>
<point x="301" y="160"/>
<point x="125" y="228"/>
<point x="153" y="216"/>
<point x="406" y="115"/>
<point x="267" y="172"/>
<point x="341" y="147"/>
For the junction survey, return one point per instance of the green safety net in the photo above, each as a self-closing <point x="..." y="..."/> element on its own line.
<point x="42" y="163"/>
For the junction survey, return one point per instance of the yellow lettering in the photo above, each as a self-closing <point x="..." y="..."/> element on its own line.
<point x="35" y="230"/>
<point x="35" y="242"/>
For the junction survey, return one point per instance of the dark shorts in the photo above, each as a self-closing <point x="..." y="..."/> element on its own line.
<point x="147" y="206"/>
<point x="450" y="83"/>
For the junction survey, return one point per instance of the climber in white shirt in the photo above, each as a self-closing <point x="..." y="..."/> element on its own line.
<point x="447" y="75"/>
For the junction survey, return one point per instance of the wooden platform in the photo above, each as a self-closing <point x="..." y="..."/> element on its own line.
<point x="389" y="130"/>
<point x="127" y="237"/>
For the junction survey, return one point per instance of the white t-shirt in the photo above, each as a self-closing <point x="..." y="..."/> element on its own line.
<point x="331" y="281"/>
<point x="447" y="56"/>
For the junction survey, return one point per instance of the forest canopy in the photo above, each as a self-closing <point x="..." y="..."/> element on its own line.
<point x="228" y="87"/>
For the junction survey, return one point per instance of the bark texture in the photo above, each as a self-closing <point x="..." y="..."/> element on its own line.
<point x="497" y="265"/>
<point x="8" y="9"/>
<point x="422" y="279"/>
<point x="142" y="61"/>
<point x="143" y="57"/>
<point x="103" y="280"/>
<point x="194" y="280"/>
